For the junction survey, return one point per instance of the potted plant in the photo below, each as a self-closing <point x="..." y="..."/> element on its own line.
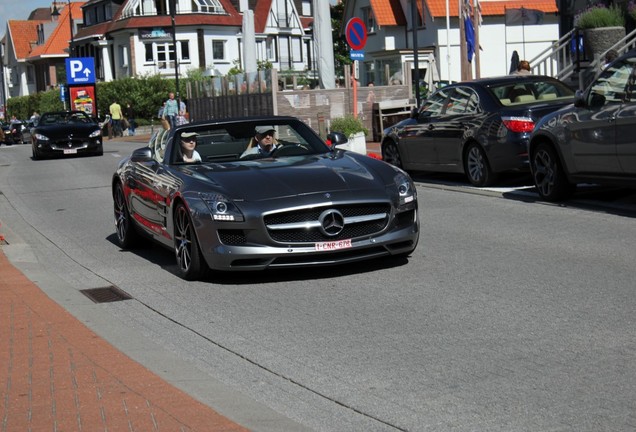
<point x="602" y="28"/>
<point x="353" y="128"/>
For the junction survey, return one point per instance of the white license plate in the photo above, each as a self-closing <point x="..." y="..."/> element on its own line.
<point x="333" y="245"/>
<point x="70" y="151"/>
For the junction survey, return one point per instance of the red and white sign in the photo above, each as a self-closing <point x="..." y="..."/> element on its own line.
<point x="356" y="33"/>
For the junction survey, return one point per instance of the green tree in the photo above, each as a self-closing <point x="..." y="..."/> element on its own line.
<point x="340" y="46"/>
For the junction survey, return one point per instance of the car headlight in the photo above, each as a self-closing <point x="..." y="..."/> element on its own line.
<point x="95" y="134"/>
<point x="221" y="208"/>
<point x="41" y="137"/>
<point x="405" y="188"/>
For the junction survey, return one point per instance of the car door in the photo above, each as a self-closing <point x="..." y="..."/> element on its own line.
<point x="448" y="133"/>
<point x="416" y="140"/>
<point x="626" y="125"/>
<point x="144" y="197"/>
<point x="593" y="134"/>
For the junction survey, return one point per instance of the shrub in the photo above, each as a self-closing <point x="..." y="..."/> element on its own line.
<point x="599" y="15"/>
<point x="348" y="125"/>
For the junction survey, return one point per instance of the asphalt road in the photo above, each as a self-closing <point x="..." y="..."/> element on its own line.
<point x="511" y="315"/>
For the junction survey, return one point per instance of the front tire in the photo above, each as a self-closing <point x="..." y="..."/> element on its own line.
<point x="190" y="263"/>
<point x="127" y="237"/>
<point x="391" y="154"/>
<point x="548" y="174"/>
<point x="476" y="166"/>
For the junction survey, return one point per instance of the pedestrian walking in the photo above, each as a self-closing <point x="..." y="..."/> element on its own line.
<point x="116" y="115"/>
<point x="171" y="111"/>
<point x="130" y="116"/>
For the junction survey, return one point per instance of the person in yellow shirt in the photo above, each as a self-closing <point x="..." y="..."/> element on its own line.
<point x="116" y="116"/>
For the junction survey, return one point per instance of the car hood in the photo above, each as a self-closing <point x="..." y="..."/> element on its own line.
<point x="297" y="175"/>
<point x="64" y="130"/>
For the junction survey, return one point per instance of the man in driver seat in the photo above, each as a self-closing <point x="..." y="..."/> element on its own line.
<point x="264" y="142"/>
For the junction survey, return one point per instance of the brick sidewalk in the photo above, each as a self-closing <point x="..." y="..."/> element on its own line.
<point x="57" y="375"/>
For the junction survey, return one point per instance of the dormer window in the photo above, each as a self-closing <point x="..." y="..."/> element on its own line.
<point x="208" y="6"/>
<point x="369" y="19"/>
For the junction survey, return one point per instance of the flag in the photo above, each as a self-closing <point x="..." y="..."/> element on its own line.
<point x="470" y="38"/>
<point x="524" y="16"/>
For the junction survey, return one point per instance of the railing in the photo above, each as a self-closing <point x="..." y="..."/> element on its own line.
<point x="621" y="47"/>
<point x="565" y="58"/>
<point x="555" y="61"/>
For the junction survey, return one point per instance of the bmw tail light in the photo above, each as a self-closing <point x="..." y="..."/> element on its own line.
<point x="518" y="124"/>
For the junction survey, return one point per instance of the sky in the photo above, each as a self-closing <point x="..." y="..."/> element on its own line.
<point x="20" y="9"/>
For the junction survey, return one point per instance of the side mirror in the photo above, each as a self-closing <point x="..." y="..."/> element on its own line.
<point x="415" y="113"/>
<point x="579" y="99"/>
<point x="336" y="138"/>
<point x="143" y="154"/>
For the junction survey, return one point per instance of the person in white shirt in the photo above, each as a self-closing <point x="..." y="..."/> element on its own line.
<point x="264" y="142"/>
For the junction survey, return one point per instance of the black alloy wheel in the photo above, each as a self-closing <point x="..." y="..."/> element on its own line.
<point x="548" y="174"/>
<point x="127" y="237"/>
<point x="190" y="262"/>
<point x="391" y="154"/>
<point x="476" y="166"/>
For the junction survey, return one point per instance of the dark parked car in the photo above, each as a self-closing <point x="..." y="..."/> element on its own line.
<point x="63" y="133"/>
<point x="479" y="128"/>
<point x="306" y="204"/>
<point x="13" y="132"/>
<point x="592" y="140"/>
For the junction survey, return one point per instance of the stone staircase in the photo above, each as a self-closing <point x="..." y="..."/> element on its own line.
<point x="566" y="60"/>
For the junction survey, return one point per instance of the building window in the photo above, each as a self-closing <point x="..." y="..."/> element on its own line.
<point x="271" y="49"/>
<point x="165" y="56"/>
<point x="30" y="74"/>
<point x="185" y="50"/>
<point x="209" y="6"/>
<point x="218" y="50"/>
<point x="296" y="51"/>
<point x="123" y="55"/>
<point x="149" y="55"/>
<point x="306" y="8"/>
<point x="369" y="19"/>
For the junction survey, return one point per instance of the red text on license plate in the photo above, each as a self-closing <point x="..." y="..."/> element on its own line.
<point x="333" y="245"/>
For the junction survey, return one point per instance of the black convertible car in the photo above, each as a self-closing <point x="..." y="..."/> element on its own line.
<point x="63" y="133"/>
<point x="305" y="204"/>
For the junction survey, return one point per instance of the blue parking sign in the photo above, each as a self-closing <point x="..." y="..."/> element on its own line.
<point x="80" y="70"/>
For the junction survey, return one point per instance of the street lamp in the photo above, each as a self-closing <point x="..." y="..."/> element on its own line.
<point x="173" y="13"/>
<point x="70" y="21"/>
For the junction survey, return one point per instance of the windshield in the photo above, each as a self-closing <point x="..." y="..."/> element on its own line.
<point x="241" y="141"/>
<point x="64" y="117"/>
<point x="515" y="92"/>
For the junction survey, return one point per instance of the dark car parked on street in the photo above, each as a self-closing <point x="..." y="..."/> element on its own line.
<point x="304" y="204"/>
<point x="592" y="140"/>
<point x="66" y="133"/>
<point x="13" y="131"/>
<point x="480" y="128"/>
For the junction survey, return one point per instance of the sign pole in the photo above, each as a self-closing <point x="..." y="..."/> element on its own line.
<point x="356" y="35"/>
<point x="354" y="83"/>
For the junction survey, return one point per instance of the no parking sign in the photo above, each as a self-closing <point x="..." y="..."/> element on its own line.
<point x="356" y="33"/>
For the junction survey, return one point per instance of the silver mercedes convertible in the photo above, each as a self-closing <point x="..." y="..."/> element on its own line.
<point x="204" y="191"/>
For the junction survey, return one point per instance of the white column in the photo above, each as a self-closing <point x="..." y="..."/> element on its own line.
<point x="24" y="87"/>
<point x="106" y="61"/>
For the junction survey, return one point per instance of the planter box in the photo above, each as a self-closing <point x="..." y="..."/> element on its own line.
<point x="356" y="143"/>
<point x="598" y="40"/>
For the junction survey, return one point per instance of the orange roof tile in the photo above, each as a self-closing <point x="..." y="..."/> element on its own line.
<point x="388" y="12"/>
<point x="23" y="34"/>
<point x="438" y="7"/>
<point x="57" y="42"/>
